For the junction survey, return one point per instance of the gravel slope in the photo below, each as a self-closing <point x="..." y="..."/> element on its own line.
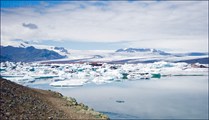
<point x="20" y="102"/>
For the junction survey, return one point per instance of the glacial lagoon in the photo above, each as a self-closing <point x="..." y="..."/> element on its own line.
<point x="176" y="97"/>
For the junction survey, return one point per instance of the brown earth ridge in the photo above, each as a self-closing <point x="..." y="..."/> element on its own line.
<point x="20" y="102"/>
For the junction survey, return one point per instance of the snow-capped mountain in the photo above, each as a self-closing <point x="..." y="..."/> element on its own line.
<point x="143" y="50"/>
<point x="61" y="49"/>
<point x="25" y="52"/>
<point x="28" y="54"/>
<point x="22" y="44"/>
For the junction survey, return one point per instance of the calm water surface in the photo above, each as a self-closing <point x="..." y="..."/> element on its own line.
<point x="168" y="97"/>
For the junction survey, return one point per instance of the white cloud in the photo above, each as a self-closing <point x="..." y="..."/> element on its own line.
<point x="147" y="23"/>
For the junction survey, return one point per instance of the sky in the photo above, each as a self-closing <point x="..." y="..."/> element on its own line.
<point x="90" y="25"/>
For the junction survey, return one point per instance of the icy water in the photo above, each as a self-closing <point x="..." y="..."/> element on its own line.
<point x="169" y="97"/>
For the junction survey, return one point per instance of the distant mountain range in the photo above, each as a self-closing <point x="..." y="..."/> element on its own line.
<point x="27" y="54"/>
<point x="160" y="52"/>
<point x="147" y="50"/>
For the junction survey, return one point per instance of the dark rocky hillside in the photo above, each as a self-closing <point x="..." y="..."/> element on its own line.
<point x="29" y="54"/>
<point x="20" y="102"/>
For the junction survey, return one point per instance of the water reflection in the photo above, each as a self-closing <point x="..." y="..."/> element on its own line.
<point x="168" y="97"/>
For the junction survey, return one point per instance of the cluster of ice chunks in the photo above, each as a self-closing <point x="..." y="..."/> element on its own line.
<point x="78" y="74"/>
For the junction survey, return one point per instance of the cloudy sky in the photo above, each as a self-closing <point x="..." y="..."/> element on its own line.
<point x="172" y="25"/>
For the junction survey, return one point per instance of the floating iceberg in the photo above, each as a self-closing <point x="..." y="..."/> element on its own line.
<point x="44" y="76"/>
<point x="137" y="75"/>
<point x="103" y="79"/>
<point x="68" y="83"/>
<point x="19" y="78"/>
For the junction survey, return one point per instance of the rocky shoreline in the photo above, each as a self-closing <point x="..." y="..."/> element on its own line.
<point x="20" y="102"/>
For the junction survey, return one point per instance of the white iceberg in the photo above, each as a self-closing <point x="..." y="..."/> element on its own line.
<point x="68" y="83"/>
<point x="103" y="79"/>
